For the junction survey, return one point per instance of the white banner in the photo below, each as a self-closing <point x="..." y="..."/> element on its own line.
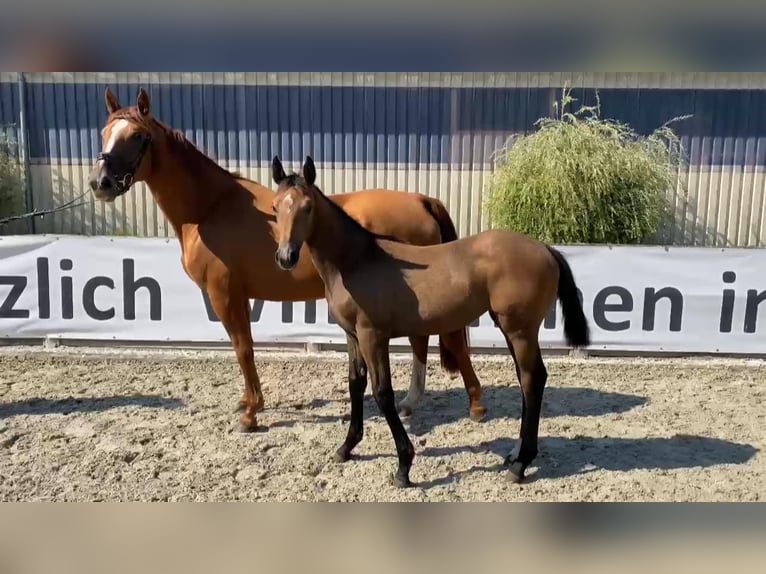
<point x="134" y="289"/>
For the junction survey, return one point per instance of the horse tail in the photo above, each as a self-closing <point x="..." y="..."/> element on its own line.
<point x="575" y="324"/>
<point x="436" y="209"/>
<point x="448" y="233"/>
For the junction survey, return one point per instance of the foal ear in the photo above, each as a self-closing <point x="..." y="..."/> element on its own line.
<point x="309" y="171"/>
<point x="112" y="104"/>
<point x="142" y="102"/>
<point x="277" y="171"/>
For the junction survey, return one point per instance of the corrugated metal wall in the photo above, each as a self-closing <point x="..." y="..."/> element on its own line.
<point x="429" y="132"/>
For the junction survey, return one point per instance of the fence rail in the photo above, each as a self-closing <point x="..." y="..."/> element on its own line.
<point x="429" y="132"/>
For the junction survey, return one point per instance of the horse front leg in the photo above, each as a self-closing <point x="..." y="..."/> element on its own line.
<point x="234" y="311"/>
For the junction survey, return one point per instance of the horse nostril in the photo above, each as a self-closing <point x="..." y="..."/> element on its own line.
<point x="105" y="183"/>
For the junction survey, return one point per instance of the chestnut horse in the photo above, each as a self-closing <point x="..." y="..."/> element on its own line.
<point x="379" y="289"/>
<point x="225" y="225"/>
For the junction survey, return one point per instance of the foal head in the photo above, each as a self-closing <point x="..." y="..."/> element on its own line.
<point x="294" y="207"/>
<point x="126" y="139"/>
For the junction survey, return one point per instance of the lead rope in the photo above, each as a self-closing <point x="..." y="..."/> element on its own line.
<point x="41" y="212"/>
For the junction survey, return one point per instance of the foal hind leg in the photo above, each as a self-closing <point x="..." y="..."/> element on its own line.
<point x="418" y="377"/>
<point x="525" y="349"/>
<point x="456" y="345"/>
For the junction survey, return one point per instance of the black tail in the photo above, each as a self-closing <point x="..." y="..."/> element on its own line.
<point x="575" y="324"/>
<point x="448" y="232"/>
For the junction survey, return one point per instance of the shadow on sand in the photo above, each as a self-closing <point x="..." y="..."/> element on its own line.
<point x="561" y="457"/>
<point x="85" y="405"/>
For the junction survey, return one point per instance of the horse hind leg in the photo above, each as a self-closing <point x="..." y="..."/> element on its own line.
<point x="456" y="345"/>
<point x="532" y="374"/>
<point x="417" y="378"/>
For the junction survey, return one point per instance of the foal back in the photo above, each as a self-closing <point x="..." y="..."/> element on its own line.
<point x="441" y="288"/>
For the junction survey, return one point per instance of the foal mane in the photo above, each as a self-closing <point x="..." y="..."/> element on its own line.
<point x="193" y="158"/>
<point x="296" y="180"/>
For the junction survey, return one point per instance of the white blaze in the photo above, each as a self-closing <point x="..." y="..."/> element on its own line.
<point x="118" y="126"/>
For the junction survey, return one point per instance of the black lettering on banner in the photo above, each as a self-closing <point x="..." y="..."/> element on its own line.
<point x="89" y="298"/>
<point x="727" y="303"/>
<point x="287" y="311"/>
<point x="67" y="299"/>
<point x="129" y="287"/>
<point x="310" y="314"/>
<point x="601" y="307"/>
<point x="17" y="283"/>
<point x="650" y="307"/>
<point x="43" y="289"/>
<point x="256" y="310"/>
<point x="754" y="299"/>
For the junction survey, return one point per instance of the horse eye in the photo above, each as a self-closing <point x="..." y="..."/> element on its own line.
<point x="138" y="136"/>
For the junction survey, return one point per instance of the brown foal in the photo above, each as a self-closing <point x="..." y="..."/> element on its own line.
<point x="379" y="289"/>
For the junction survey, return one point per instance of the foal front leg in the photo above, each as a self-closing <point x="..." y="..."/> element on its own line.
<point x="375" y="352"/>
<point x="357" y="383"/>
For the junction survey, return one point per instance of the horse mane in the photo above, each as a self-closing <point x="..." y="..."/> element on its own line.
<point x="296" y="180"/>
<point x="193" y="157"/>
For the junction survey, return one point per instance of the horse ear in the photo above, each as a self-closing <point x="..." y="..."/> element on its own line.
<point x="309" y="171"/>
<point x="277" y="171"/>
<point x="142" y="102"/>
<point x="112" y="104"/>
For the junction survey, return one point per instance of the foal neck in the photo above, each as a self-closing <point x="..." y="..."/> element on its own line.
<point x="336" y="239"/>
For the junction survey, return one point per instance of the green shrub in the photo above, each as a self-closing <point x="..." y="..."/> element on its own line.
<point x="583" y="179"/>
<point x="11" y="182"/>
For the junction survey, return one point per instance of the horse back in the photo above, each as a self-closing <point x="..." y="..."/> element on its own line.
<point x="396" y="214"/>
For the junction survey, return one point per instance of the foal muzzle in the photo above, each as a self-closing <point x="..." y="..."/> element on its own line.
<point x="287" y="256"/>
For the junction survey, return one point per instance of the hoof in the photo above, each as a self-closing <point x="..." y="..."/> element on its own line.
<point x="516" y="472"/>
<point x="477" y="414"/>
<point x="243" y="428"/>
<point x="341" y="455"/>
<point x="401" y="481"/>
<point x="405" y="410"/>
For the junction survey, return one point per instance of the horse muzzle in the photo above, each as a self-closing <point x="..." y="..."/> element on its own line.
<point x="105" y="186"/>
<point x="287" y="256"/>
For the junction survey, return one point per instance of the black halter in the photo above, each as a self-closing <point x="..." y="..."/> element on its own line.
<point x="125" y="180"/>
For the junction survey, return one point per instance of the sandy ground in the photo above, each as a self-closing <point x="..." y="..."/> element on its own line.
<point x="76" y="425"/>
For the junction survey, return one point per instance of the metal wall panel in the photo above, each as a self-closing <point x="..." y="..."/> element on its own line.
<point x="428" y="132"/>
